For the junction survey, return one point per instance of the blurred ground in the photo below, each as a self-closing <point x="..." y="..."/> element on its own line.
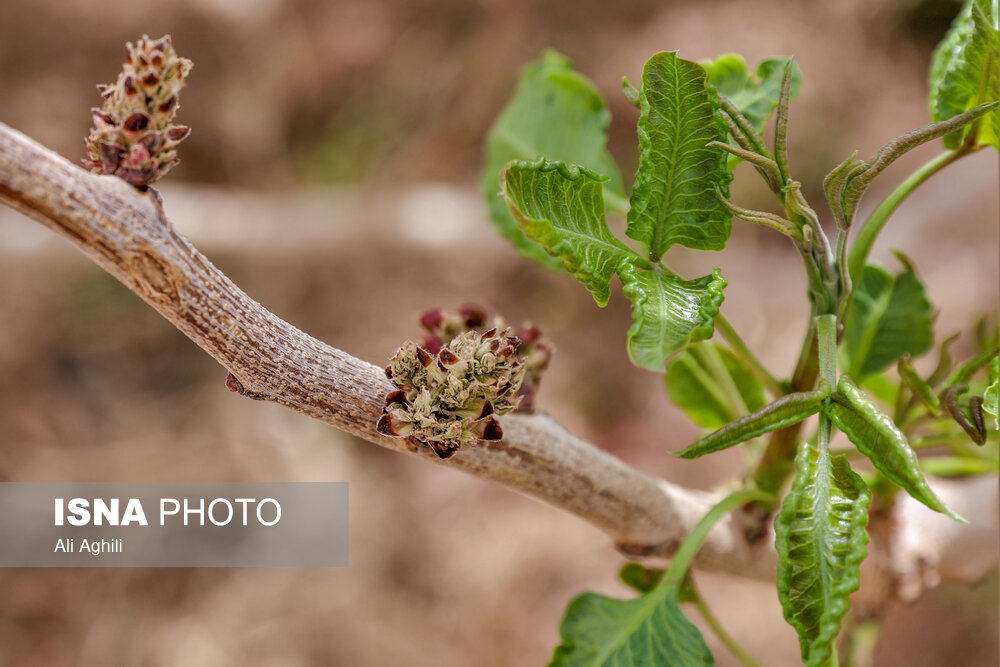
<point x="379" y="109"/>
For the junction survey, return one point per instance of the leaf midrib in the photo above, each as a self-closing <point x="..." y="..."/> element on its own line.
<point x="659" y="227"/>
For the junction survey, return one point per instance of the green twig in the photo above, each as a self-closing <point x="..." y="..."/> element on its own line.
<point x="741" y="350"/>
<point x="873" y="225"/>
<point x="689" y="547"/>
<point x="826" y="339"/>
<point x="781" y="124"/>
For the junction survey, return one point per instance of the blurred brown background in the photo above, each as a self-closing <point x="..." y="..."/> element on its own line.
<point x="331" y="173"/>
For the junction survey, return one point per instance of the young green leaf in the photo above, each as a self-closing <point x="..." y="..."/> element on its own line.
<point x="991" y="398"/>
<point x="561" y="208"/>
<point x="673" y="200"/>
<point x="631" y="92"/>
<point x="889" y="316"/>
<point x="923" y="391"/>
<point x="785" y="411"/>
<point x="821" y="540"/>
<point x="712" y="386"/>
<point x="668" y="312"/>
<point x="598" y="631"/>
<point x="877" y="437"/>
<point x="958" y="466"/>
<point x="755" y="97"/>
<point x="555" y="112"/>
<point x="965" y="72"/>
<point x="859" y="181"/>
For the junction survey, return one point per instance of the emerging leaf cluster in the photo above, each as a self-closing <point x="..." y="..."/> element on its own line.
<point x="696" y="122"/>
<point x="557" y="196"/>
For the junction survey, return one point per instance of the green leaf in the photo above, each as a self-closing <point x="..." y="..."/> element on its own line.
<point x="668" y="312"/>
<point x="555" y="112"/>
<point x="712" y="385"/>
<point x="877" y="437"/>
<point x="785" y="411"/>
<point x="673" y="200"/>
<point x="650" y="630"/>
<point x="889" y="316"/>
<point x="991" y="397"/>
<point x="965" y="72"/>
<point x="821" y="540"/>
<point x="958" y="466"/>
<point x="756" y="99"/>
<point x="923" y="391"/>
<point x="561" y="208"/>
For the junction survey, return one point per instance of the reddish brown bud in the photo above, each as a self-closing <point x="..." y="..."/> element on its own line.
<point x="103" y="117"/>
<point x="529" y="334"/>
<point x="447" y="357"/>
<point x="431" y="319"/>
<point x="490" y="429"/>
<point x="178" y="132"/>
<point x="137" y="122"/>
<point x="431" y="344"/>
<point x="443" y="451"/>
<point x="385" y="427"/>
<point x="234" y="385"/>
<point x="396" y="397"/>
<point x="152" y="141"/>
<point x="110" y="157"/>
<point x="474" y="316"/>
<point x="424" y="357"/>
<point x="166" y="106"/>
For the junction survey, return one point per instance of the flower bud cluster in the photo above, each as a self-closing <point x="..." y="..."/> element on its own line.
<point x="442" y="326"/>
<point x="133" y="136"/>
<point x="450" y="398"/>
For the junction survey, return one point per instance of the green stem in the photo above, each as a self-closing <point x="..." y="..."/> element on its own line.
<point x="826" y="343"/>
<point x="720" y="632"/>
<point x="968" y="369"/>
<point x="717" y="367"/>
<point x="842" y="273"/>
<point x="741" y="350"/>
<point x="873" y="225"/>
<point x="689" y="547"/>
<point x="826" y="339"/>
<point x="861" y="640"/>
<point x="776" y="465"/>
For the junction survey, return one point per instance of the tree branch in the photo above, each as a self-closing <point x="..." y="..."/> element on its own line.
<point x="126" y="233"/>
